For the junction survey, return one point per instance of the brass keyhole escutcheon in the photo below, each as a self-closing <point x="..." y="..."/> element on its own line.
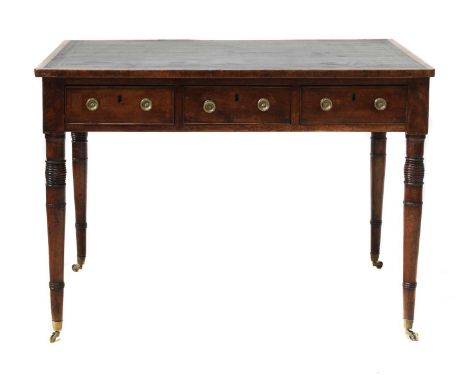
<point x="326" y="104"/>
<point x="92" y="104"/>
<point x="263" y="104"/>
<point x="146" y="104"/>
<point x="380" y="104"/>
<point x="209" y="106"/>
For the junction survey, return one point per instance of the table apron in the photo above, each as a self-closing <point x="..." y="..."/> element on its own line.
<point x="226" y="127"/>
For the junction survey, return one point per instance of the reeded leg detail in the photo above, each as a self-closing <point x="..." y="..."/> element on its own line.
<point x="80" y="170"/>
<point x="414" y="179"/>
<point x="55" y="202"/>
<point x="377" y="170"/>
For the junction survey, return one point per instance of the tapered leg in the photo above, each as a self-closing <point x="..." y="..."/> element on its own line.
<point x="55" y="202"/>
<point x="414" y="177"/>
<point x="80" y="169"/>
<point x="377" y="169"/>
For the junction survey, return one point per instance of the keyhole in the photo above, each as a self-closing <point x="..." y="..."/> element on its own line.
<point x="236" y="97"/>
<point x="119" y="99"/>
<point x="354" y="96"/>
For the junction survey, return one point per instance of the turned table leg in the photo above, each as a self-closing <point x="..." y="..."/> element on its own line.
<point x="377" y="170"/>
<point x="80" y="169"/>
<point x="414" y="176"/>
<point x="55" y="202"/>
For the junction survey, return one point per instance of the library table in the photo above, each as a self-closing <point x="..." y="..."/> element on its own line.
<point x="374" y="86"/>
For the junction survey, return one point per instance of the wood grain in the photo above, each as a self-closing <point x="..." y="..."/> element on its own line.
<point x="413" y="202"/>
<point x="418" y="106"/>
<point x="80" y="182"/>
<point x="353" y="104"/>
<point x="53" y="114"/>
<point x="235" y="104"/>
<point x="119" y="105"/>
<point x="55" y="205"/>
<point x="377" y="171"/>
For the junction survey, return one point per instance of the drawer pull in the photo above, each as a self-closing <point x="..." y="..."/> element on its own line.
<point x="209" y="106"/>
<point x="146" y="104"/>
<point x="380" y="104"/>
<point x="92" y="104"/>
<point x="326" y="104"/>
<point x="263" y="104"/>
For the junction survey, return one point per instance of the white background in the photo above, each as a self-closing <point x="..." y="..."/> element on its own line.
<point x="233" y="257"/>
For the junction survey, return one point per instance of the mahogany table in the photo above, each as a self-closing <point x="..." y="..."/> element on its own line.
<point x="373" y="86"/>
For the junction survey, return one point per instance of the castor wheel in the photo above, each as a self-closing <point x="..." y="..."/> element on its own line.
<point x="408" y="325"/>
<point x="374" y="257"/>
<point x="54" y="336"/>
<point x="377" y="264"/>
<point x="77" y="267"/>
<point x="413" y="336"/>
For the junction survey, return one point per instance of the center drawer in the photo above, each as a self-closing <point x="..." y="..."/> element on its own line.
<point x="120" y="105"/>
<point x="237" y="104"/>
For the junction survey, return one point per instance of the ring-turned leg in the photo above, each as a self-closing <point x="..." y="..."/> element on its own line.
<point x="414" y="177"/>
<point x="80" y="170"/>
<point x="377" y="170"/>
<point x="55" y="203"/>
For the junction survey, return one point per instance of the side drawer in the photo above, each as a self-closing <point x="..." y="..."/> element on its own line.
<point x="353" y="104"/>
<point x="126" y="105"/>
<point x="237" y="104"/>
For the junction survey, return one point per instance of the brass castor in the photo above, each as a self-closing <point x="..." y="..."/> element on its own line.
<point x="375" y="260"/>
<point x="413" y="336"/>
<point x="377" y="264"/>
<point x="408" y="324"/>
<point x="77" y="267"/>
<point x="54" y="336"/>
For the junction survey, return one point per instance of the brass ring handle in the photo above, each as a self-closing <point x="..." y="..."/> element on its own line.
<point x="92" y="104"/>
<point x="263" y="104"/>
<point x="326" y="104"/>
<point x="209" y="106"/>
<point x="380" y="104"/>
<point x="146" y="104"/>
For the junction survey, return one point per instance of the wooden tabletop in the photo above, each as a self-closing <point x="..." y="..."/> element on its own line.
<point x="224" y="59"/>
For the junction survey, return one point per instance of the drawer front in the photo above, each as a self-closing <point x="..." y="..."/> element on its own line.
<point x="237" y="105"/>
<point x="353" y="104"/>
<point x="139" y="105"/>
